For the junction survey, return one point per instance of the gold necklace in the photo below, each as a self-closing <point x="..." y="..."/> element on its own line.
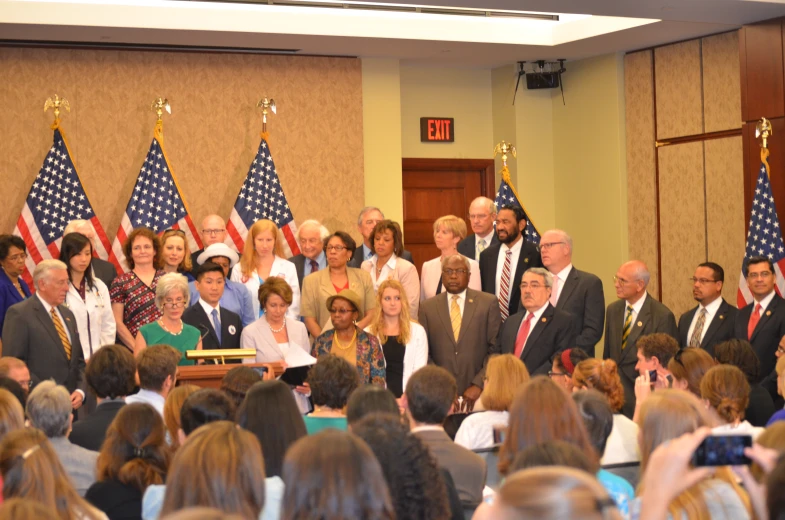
<point x="347" y="347"/>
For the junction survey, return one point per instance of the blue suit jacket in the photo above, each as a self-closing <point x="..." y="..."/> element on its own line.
<point x="9" y="295"/>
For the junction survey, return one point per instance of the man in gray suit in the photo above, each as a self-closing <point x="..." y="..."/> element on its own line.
<point x="461" y="325"/>
<point x="49" y="410"/>
<point x="427" y="399"/>
<point x="577" y="292"/>
<point x="635" y="314"/>
<point x="42" y="332"/>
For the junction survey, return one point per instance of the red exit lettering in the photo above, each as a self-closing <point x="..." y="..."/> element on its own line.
<point x="433" y="129"/>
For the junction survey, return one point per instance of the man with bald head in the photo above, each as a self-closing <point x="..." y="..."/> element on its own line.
<point x="482" y="214"/>
<point x="213" y="232"/>
<point x="576" y="292"/>
<point x="635" y="314"/>
<point x="103" y="270"/>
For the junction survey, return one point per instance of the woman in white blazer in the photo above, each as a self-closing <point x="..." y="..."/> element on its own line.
<point x="275" y="336"/>
<point x="403" y="341"/>
<point x="262" y="259"/>
<point x="386" y="264"/>
<point x="88" y="297"/>
<point x="447" y="232"/>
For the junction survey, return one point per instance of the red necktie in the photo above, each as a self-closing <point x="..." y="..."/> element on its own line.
<point x="523" y="334"/>
<point x="754" y="319"/>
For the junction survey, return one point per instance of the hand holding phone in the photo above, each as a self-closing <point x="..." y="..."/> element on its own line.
<point x="722" y="450"/>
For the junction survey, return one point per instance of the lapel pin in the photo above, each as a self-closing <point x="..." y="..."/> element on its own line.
<point x="526" y="260"/>
<point x="640" y="324"/>
<point x="544" y="320"/>
<point x="768" y="313"/>
<point x="232" y="330"/>
<point x="722" y="317"/>
<point x="471" y="301"/>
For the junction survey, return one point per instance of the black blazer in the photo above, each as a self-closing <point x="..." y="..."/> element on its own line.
<point x="765" y="338"/>
<point x="357" y="258"/>
<point x="721" y="328"/>
<point x="529" y="257"/>
<point x="104" y="271"/>
<point x="583" y="297"/>
<point x="231" y="327"/>
<point x="299" y="264"/>
<point x="554" y="331"/>
<point x="89" y="433"/>
<point x="467" y="246"/>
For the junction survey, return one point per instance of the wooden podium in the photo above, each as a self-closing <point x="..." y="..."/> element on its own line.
<point x="210" y="376"/>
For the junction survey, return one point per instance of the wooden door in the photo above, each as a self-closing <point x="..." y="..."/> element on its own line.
<point x="433" y="188"/>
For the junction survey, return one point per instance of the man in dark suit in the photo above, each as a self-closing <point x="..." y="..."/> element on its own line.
<point x="42" y="332"/>
<point x="482" y="214"/>
<point x="213" y="232"/>
<point x="103" y="270"/>
<point x="762" y="322"/>
<point x="461" y="325"/>
<point x="577" y="292"/>
<point x="502" y="265"/>
<point x="310" y="236"/>
<point x="713" y="320"/>
<point x="369" y="217"/>
<point x="110" y="376"/>
<point x="539" y="331"/>
<point x="635" y="314"/>
<point x="219" y="327"/>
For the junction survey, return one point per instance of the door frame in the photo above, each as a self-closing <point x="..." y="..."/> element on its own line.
<point x="486" y="168"/>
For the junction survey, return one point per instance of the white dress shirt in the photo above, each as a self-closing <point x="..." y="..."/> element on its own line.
<point x="764" y="302"/>
<point x="476" y="430"/>
<point x="516" y="253"/>
<point x="387" y="268"/>
<point x="562" y="276"/>
<point x="461" y="301"/>
<point x="622" y="445"/>
<point x="154" y="399"/>
<point x="533" y="322"/>
<point x="711" y="310"/>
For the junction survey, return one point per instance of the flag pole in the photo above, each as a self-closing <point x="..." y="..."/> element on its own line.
<point x="762" y="131"/>
<point x="266" y="104"/>
<point x="503" y="148"/>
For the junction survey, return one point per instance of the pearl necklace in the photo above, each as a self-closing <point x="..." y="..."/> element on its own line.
<point x="277" y="330"/>
<point x="161" y="323"/>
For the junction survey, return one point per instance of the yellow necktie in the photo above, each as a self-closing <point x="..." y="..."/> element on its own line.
<point x="455" y="317"/>
<point x="61" y="332"/>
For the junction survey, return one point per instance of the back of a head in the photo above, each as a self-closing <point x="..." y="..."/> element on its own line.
<point x="15" y="388"/>
<point x="205" y="406"/>
<point x="237" y="381"/>
<point x="772" y="437"/>
<point x="726" y="389"/>
<point x="597" y="417"/>
<point x="266" y="400"/>
<point x="603" y="376"/>
<point x="690" y="364"/>
<point x="412" y="474"/>
<point x="154" y="364"/>
<point x="221" y="466"/>
<point x="739" y="353"/>
<point x="12" y="416"/>
<point x="775" y="502"/>
<point x="567" y="360"/>
<point x="25" y="509"/>
<point x="553" y="453"/>
<point x="111" y="372"/>
<point x="505" y="374"/>
<point x="172" y="407"/>
<point x="336" y="474"/>
<point x="8" y="364"/>
<point x="430" y="392"/>
<point x="370" y="399"/>
<point x="49" y="409"/>
<point x="332" y="380"/>
<point x="201" y="513"/>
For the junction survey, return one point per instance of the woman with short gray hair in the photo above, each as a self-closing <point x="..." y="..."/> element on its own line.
<point x="171" y="297"/>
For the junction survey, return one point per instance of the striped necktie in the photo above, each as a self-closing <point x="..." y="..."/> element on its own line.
<point x="455" y="317"/>
<point x="625" y="333"/>
<point x="504" y="287"/>
<point x="61" y="332"/>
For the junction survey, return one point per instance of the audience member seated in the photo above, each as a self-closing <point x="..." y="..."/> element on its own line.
<point x="429" y="397"/>
<point x="172" y="406"/>
<point x="134" y="456"/>
<point x="237" y="382"/>
<point x="779" y="415"/>
<point x="332" y="380"/>
<point x="17" y="370"/>
<point x="218" y="326"/>
<point x="370" y="399"/>
<point x="157" y="369"/>
<point x="49" y="409"/>
<point x="235" y="297"/>
<point x="504" y="376"/>
<point x="12" y="416"/>
<point x="563" y="366"/>
<point x="413" y="476"/>
<point x="726" y="390"/>
<point x="350" y="342"/>
<point x="665" y="416"/>
<point x="773" y="437"/>
<point x="13" y="289"/>
<point x="688" y="366"/>
<point x="739" y="353"/>
<point x="403" y="340"/>
<point x="110" y="376"/>
<point x="654" y="352"/>
<point x="603" y="376"/>
<point x="25" y="509"/>
<point x="775" y="502"/>
<point x="31" y="470"/>
<point x="15" y="388"/>
<point x="542" y="411"/>
<point x="336" y="474"/>
<point x="175" y="254"/>
<point x="448" y="231"/>
<point x="171" y="297"/>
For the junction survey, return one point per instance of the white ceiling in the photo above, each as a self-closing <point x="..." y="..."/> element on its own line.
<point x="679" y="20"/>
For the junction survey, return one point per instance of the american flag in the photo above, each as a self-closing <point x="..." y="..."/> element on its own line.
<point x="262" y="197"/>
<point x="156" y="203"/>
<point x="56" y="198"/>
<point x="506" y="196"/>
<point x="764" y="237"/>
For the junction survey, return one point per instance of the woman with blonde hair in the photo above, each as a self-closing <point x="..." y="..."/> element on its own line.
<point x="403" y="340"/>
<point x="666" y="415"/>
<point x="386" y="263"/>
<point x="175" y="254"/>
<point x="447" y="232"/>
<point x="263" y="258"/>
<point x="12" y="416"/>
<point x="504" y="376"/>
<point x="603" y="376"/>
<point x="726" y="390"/>
<point x="31" y="470"/>
<point x="174" y="402"/>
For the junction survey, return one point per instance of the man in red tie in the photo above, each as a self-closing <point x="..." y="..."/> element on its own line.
<point x="540" y="330"/>
<point x="762" y="322"/>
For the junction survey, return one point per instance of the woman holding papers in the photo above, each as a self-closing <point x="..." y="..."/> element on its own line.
<point x="276" y="336"/>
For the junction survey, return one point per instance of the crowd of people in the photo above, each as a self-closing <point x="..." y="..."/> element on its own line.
<point x="470" y="389"/>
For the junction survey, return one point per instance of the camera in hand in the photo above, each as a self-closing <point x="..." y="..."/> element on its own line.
<point x="722" y="450"/>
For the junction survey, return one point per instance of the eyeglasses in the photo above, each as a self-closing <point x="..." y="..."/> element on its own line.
<point x="175" y="305"/>
<point x="702" y="281"/>
<point x="551" y="373"/>
<point x="26" y="384"/>
<point x="340" y="311"/>
<point x="533" y="285"/>
<point x="677" y="356"/>
<point x="337" y="249"/>
<point x="621" y="281"/>
<point x="175" y="232"/>
<point x="212" y="231"/>
<point x="16" y="258"/>
<point x="451" y="272"/>
<point x="762" y="275"/>
<point x="548" y="245"/>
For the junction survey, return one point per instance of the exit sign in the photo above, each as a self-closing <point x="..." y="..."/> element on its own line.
<point x="437" y="129"/>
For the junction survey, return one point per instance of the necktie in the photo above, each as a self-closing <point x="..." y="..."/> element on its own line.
<point x="61" y="332"/>
<point x="625" y="332"/>
<point x="523" y="335"/>
<point x="754" y="319"/>
<point x="480" y="248"/>
<point x="216" y="324"/>
<point x="695" y="340"/>
<point x="455" y="317"/>
<point x="555" y="291"/>
<point x="314" y="266"/>
<point x="504" y="287"/>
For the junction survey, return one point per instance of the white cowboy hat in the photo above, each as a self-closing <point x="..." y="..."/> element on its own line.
<point x="219" y="249"/>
